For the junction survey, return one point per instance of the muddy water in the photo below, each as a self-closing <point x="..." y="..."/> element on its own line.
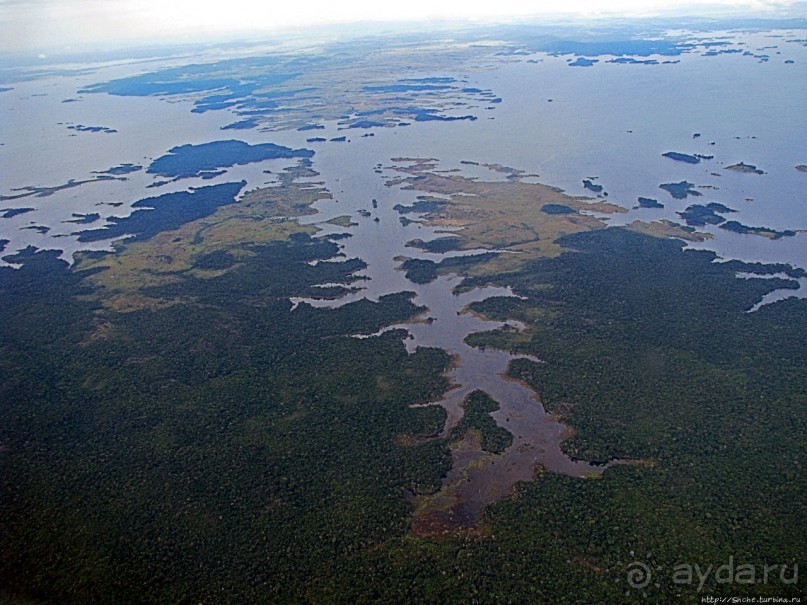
<point x="476" y="478"/>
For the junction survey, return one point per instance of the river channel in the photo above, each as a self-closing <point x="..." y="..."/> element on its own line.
<point x="380" y="238"/>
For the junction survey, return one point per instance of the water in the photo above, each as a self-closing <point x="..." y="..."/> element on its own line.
<point x="608" y="121"/>
<point x="476" y="478"/>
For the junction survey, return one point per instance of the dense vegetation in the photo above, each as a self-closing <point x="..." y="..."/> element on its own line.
<point x="681" y="189"/>
<point x="682" y="157"/>
<point x="166" y="212"/>
<point x="698" y="215"/>
<point x="194" y="160"/>
<point x="647" y="202"/>
<point x="223" y="449"/>
<point x="477" y="408"/>
<point x="420" y="270"/>
<point x="229" y="449"/>
<point x="650" y="356"/>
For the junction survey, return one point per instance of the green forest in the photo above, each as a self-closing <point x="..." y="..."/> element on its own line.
<point x="229" y="448"/>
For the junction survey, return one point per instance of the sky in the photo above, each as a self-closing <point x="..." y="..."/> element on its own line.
<point x="37" y="25"/>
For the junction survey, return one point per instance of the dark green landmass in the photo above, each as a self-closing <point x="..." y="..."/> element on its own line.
<point x="763" y="231"/>
<point x="439" y="245"/>
<point x="121" y="169"/>
<point x="226" y="433"/>
<point x="766" y="269"/>
<point x="420" y="271"/>
<point x="84" y="219"/>
<point x="477" y="408"/>
<point x="423" y="271"/>
<point x="12" y="212"/>
<point x="680" y="190"/>
<point x="83" y="128"/>
<point x="591" y="186"/>
<point x="215" y="261"/>
<point x="557" y="209"/>
<point x="37" y="228"/>
<point x="366" y="124"/>
<point x="424" y="204"/>
<point x="802" y="167"/>
<point x="632" y="61"/>
<point x="29" y="190"/>
<point x="165" y="212"/>
<point x="682" y="157"/>
<point x="242" y="125"/>
<point x="698" y="215"/>
<point x="646" y="202"/>
<point x="460" y="264"/>
<point x="429" y="115"/>
<point x="583" y="62"/>
<point x="194" y="160"/>
<point x="746" y="168"/>
<point x="705" y="398"/>
<point x="650" y="355"/>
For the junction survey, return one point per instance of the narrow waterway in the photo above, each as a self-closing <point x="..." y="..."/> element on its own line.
<point x="380" y="238"/>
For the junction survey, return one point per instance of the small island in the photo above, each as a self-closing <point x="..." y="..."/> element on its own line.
<point x="12" y="212"/>
<point x="646" y="202"/>
<point x="682" y="157"/>
<point x="187" y="161"/>
<point x="441" y="245"/>
<point x="84" y="219"/>
<point x="557" y="209"/>
<point x="699" y="215"/>
<point x="420" y="271"/>
<point x="120" y="169"/>
<point x="591" y="186"/>
<point x="680" y="190"/>
<point x="746" y="168"/>
<point x="424" y="203"/>
<point x="763" y="231"/>
<point x="802" y="167"/>
<point x="83" y="128"/>
<point x="342" y="221"/>
<point x="583" y="62"/>
<point x="367" y="124"/>
<point x="241" y="125"/>
<point x="632" y="61"/>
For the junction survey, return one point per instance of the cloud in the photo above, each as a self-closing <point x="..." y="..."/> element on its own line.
<point x="42" y="24"/>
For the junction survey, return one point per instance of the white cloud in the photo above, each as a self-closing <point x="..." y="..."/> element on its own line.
<point x="36" y="24"/>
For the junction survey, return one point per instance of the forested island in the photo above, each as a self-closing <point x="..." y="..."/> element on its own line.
<point x="745" y="168"/>
<point x="195" y="160"/>
<point x="682" y="157"/>
<point x="681" y="189"/>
